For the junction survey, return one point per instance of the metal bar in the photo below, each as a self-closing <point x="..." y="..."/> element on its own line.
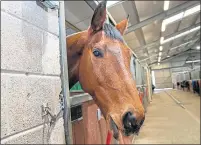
<point x="176" y="31"/>
<point x="79" y="99"/>
<point x="193" y="23"/>
<point x="68" y="24"/>
<point x="191" y="40"/>
<point x="186" y="68"/>
<point x="162" y="15"/>
<point x="181" y="31"/>
<point x="188" y="51"/>
<point x="179" y="66"/>
<point x="151" y="44"/>
<point x="176" y="55"/>
<point x="130" y="7"/>
<point x="64" y="75"/>
<point x="91" y="4"/>
<point x="157" y="42"/>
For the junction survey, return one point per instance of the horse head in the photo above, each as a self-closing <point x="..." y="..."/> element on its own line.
<point x="103" y="71"/>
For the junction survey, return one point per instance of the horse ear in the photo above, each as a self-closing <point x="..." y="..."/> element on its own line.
<point x="99" y="17"/>
<point x="122" y="26"/>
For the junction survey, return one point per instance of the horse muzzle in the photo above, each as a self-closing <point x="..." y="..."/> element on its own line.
<point x="130" y="125"/>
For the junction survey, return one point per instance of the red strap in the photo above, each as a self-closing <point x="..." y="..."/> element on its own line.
<point x="109" y="137"/>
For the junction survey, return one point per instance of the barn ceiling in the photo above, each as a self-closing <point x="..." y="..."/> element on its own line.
<point x="157" y="30"/>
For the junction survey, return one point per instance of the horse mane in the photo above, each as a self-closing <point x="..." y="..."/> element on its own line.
<point x="112" y="32"/>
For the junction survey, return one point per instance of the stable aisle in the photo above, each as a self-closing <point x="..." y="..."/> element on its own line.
<point x="173" y="117"/>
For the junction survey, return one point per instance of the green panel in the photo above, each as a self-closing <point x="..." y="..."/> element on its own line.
<point x="76" y="87"/>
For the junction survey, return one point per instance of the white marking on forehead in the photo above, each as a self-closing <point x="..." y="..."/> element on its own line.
<point x="117" y="52"/>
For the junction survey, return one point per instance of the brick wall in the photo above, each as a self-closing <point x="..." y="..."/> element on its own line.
<point x="30" y="73"/>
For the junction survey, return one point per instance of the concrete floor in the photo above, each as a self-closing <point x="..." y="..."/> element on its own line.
<point x="168" y="123"/>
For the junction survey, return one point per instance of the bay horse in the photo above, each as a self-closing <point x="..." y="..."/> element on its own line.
<point x="100" y="60"/>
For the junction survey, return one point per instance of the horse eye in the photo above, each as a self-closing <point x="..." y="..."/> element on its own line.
<point x="97" y="53"/>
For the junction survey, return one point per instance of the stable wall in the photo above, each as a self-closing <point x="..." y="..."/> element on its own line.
<point x="195" y="74"/>
<point x="163" y="78"/>
<point x="30" y="73"/>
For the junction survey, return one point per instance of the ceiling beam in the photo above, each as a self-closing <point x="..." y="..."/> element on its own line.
<point x="130" y="8"/>
<point x="168" y="50"/>
<point x="91" y="4"/>
<point x="153" y="56"/>
<point x="157" y="42"/>
<point x="163" y="15"/>
<point x="176" y="31"/>
<point x="69" y="25"/>
<point x="188" y="51"/>
<point x="179" y="66"/>
<point x="193" y="23"/>
<point x="183" y="30"/>
<point x="183" y="40"/>
<point x="194" y="40"/>
<point x="186" y="68"/>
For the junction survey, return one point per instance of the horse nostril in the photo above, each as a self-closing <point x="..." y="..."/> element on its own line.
<point x="129" y="120"/>
<point x="131" y="125"/>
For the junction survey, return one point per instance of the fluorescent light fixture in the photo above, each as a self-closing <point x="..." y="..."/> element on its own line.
<point x="161" y="39"/>
<point x="158" y="63"/>
<point x="153" y="77"/>
<point x="97" y="2"/>
<point x="194" y="29"/>
<point x="168" y="56"/>
<point x="198" y="47"/>
<point x="174" y="18"/>
<point x="110" y="3"/>
<point x="166" y="5"/>
<point x="182" y="34"/>
<point x="181" y="45"/>
<point x="161" y="48"/>
<point x="160" y="53"/>
<point x="192" y="10"/>
<point x="179" y="35"/>
<point x="193" y="61"/>
<point x="159" y="59"/>
<point x="167" y="40"/>
<point x="178" y="16"/>
<point x="163" y="27"/>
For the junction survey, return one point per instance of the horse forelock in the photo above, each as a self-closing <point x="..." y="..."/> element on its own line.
<point x="112" y="32"/>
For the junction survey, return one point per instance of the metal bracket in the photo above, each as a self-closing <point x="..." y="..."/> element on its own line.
<point x="99" y="114"/>
<point x="47" y="111"/>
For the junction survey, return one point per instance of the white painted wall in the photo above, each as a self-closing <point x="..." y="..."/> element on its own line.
<point x="30" y="73"/>
<point x="163" y="78"/>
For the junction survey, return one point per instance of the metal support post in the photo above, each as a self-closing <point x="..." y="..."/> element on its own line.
<point x="64" y="75"/>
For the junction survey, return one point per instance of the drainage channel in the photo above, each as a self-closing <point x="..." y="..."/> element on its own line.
<point x="182" y="106"/>
<point x="176" y="101"/>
